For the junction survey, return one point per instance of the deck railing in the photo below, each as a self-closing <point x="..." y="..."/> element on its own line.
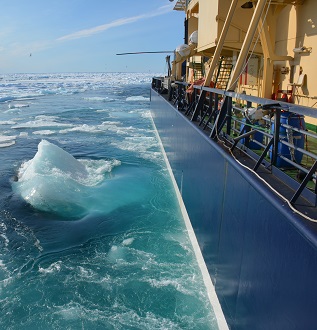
<point x="272" y="132"/>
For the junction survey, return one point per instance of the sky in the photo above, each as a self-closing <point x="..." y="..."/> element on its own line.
<point x="46" y="36"/>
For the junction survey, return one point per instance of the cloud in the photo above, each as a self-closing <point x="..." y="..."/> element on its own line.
<point x="16" y="49"/>
<point x="119" y="22"/>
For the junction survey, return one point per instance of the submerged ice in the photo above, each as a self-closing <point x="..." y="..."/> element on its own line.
<point x="54" y="181"/>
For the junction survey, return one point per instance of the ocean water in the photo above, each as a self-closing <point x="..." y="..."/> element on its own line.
<point x="119" y="257"/>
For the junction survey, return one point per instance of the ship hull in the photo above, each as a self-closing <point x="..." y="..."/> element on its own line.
<point x="261" y="257"/>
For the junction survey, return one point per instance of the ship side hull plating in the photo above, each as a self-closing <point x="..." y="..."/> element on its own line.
<point x="262" y="258"/>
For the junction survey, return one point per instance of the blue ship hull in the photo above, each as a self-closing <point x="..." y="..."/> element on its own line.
<point x="261" y="256"/>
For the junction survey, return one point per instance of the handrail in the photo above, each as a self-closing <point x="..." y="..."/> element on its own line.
<point x="283" y="145"/>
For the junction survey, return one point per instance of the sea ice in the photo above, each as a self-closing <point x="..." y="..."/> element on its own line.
<point x="52" y="181"/>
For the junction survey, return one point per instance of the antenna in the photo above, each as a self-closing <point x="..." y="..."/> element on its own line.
<point x="156" y="52"/>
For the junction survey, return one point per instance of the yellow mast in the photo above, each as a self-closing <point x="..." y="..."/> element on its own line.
<point x="246" y="44"/>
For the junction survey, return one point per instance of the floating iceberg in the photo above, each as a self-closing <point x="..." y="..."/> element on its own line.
<point x="54" y="181"/>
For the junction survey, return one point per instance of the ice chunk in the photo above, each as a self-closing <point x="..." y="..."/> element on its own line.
<point x="52" y="181"/>
<point x="50" y="157"/>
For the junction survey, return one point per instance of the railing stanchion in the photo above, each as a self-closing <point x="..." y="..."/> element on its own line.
<point x="276" y="134"/>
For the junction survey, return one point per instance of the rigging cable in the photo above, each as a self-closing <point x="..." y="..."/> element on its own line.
<point x="255" y="43"/>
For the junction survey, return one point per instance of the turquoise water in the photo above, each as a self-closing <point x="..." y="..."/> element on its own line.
<point x="120" y="258"/>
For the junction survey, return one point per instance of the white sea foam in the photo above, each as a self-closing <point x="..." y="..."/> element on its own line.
<point x="108" y="122"/>
<point x="53" y="268"/>
<point x="86" y="273"/>
<point x="138" y="98"/>
<point x="7" y="122"/>
<point x="83" y="129"/>
<point x="96" y="169"/>
<point x="5" y="240"/>
<point x="42" y="121"/>
<point x="44" y="132"/>
<point x="169" y="282"/>
<point x="18" y="106"/>
<point x="98" y="99"/>
<point x="142" y="145"/>
<point x="71" y="311"/>
<point x="5" y="282"/>
<point x="123" y="114"/>
<point x="146" y="114"/>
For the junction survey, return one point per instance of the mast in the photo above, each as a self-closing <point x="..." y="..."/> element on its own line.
<point x="216" y="56"/>
<point x="240" y="64"/>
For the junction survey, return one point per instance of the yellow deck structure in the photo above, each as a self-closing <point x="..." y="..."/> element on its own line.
<point x="270" y="46"/>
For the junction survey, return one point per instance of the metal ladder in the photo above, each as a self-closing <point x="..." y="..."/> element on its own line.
<point x="224" y="72"/>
